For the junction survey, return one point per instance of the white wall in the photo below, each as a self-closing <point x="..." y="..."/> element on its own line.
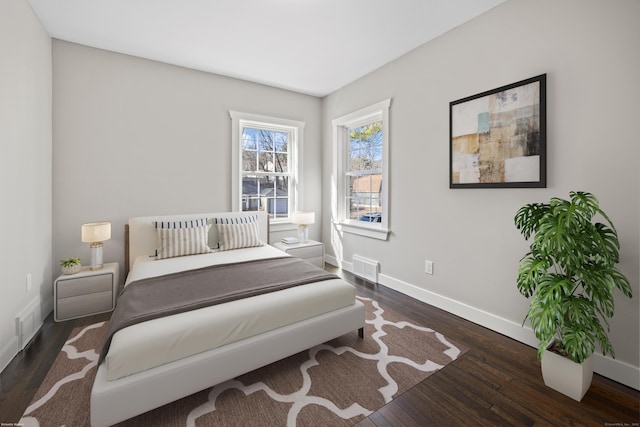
<point x="25" y="166"/>
<point x="136" y="137"/>
<point x="589" y="50"/>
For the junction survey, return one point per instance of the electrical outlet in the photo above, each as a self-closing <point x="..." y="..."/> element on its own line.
<point x="428" y="267"/>
<point x="28" y="279"/>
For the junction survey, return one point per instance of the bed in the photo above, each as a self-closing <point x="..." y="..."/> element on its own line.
<point x="157" y="361"/>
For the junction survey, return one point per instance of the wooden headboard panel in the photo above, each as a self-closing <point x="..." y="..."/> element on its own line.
<point x="126" y="251"/>
<point x="140" y="236"/>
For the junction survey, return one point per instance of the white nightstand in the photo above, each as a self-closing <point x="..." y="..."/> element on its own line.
<point x="86" y="292"/>
<point x="310" y="251"/>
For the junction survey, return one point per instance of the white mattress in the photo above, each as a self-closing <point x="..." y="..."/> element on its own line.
<point x="159" y="341"/>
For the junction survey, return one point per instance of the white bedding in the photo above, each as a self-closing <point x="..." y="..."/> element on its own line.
<point x="159" y="341"/>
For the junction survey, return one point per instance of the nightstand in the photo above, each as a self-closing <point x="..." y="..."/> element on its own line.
<point x="310" y="251"/>
<point x="86" y="292"/>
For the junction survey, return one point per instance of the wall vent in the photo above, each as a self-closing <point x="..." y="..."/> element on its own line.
<point x="365" y="268"/>
<point x="28" y="322"/>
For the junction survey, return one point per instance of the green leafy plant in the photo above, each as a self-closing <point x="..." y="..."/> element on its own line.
<point x="570" y="274"/>
<point x="70" y="262"/>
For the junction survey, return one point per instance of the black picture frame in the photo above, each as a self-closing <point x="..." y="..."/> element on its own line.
<point x="498" y="138"/>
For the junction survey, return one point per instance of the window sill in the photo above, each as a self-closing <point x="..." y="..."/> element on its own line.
<point x="285" y="225"/>
<point x="371" y="231"/>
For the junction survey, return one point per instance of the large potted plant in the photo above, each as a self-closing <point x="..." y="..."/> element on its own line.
<point x="570" y="275"/>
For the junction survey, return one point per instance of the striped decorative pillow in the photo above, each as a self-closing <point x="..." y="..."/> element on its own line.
<point x="181" y="238"/>
<point x="237" y="233"/>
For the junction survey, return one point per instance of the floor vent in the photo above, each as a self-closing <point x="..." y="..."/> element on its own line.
<point x="28" y="322"/>
<point x="365" y="268"/>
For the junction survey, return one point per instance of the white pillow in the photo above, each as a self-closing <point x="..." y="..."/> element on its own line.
<point x="181" y="238"/>
<point x="238" y="235"/>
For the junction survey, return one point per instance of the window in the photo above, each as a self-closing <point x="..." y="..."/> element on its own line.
<point x="361" y="143"/>
<point x="364" y="173"/>
<point x="266" y="175"/>
<point x="265" y="153"/>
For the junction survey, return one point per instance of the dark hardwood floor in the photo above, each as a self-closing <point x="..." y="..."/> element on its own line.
<point x="21" y="378"/>
<point x="496" y="383"/>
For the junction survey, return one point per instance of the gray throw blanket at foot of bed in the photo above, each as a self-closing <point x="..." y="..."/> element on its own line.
<point x="174" y="293"/>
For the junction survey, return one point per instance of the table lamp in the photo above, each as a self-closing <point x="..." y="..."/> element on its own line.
<point x="96" y="233"/>
<point x="303" y="219"/>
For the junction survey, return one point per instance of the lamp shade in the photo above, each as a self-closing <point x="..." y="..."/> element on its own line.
<point x="303" y="217"/>
<point x="96" y="232"/>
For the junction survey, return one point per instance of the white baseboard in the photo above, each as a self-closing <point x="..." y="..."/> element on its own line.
<point x="12" y="348"/>
<point x="488" y="320"/>
<point x="621" y="372"/>
<point x="330" y="259"/>
<point x="47" y="308"/>
<point x="8" y="352"/>
<point x="28" y="322"/>
<point x="616" y="370"/>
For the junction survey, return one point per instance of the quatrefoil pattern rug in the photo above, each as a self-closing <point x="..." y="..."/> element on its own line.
<point x="337" y="383"/>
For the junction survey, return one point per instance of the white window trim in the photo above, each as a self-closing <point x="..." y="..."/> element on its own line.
<point x="378" y="111"/>
<point x="238" y="120"/>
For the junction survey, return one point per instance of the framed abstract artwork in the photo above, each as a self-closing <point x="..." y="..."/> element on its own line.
<point x="498" y="137"/>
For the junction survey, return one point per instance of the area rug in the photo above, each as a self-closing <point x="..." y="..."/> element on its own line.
<point x="337" y="383"/>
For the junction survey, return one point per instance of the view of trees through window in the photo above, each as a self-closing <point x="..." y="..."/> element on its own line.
<point x="364" y="172"/>
<point x="266" y="174"/>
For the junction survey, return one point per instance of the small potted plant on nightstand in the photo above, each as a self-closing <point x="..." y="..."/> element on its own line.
<point x="570" y="274"/>
<point x="70" y="265"/>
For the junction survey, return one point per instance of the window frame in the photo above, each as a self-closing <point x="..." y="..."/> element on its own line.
<point x="241" y="120"/>
<point x="341" y="125"/>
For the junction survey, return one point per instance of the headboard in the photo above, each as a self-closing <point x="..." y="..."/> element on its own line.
<point x="141" y="237"/>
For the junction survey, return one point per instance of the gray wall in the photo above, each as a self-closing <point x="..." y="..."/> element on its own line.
<point x="589" y="50"/>
<point x="135" y="137"/>
<point x="25" y="166"/>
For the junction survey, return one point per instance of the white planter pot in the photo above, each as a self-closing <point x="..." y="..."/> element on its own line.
<point x="72" y="269"/>
<point x="564" y="375"/>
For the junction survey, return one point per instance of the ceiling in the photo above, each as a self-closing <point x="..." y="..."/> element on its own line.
<point x="309" y="46"/>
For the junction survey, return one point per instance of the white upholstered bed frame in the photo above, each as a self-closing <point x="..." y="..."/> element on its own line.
<point x="124" y="398"/>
